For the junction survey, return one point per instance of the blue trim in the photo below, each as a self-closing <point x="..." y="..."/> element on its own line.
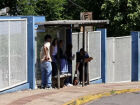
<point x="134" y="56"/>
<point x="31" y="54"/>
<point x="98" y="81"/>
<point x="17" y="88"/>
<point x="103" y="53"/>
<point x="10" y="17"/>
<point x="138" y="56"/>
<point x="32" y="47"/>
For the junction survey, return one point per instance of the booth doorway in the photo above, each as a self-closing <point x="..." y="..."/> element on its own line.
<point x="60" y="33"/>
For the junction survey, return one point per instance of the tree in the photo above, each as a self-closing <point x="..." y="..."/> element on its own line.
<point x="123" y="15"/>
<point x="26" y="7"/>
<point x="74" y="7"/>
<point x="52" y="9"/>
<point x="134" y="14"/>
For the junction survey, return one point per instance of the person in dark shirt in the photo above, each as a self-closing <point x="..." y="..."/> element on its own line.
<point x="69" y="60"/>
<point x="54" y="57"/>
<point x="82" y="58"/>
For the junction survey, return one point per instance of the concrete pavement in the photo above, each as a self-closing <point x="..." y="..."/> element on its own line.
<point x="61" y="96"/>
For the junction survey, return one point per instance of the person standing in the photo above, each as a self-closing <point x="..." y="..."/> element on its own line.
<point x="82" y="58"/>
<point x="69" y="60"/>
<point x="46" y="67"/>
<point x="54" y="57"/>
<point x="63" y="61"/>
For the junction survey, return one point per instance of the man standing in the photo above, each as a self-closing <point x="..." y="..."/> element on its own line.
<point x="46" y="67"/>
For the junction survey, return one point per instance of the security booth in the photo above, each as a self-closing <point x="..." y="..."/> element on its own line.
<point x="21" y="38"/>
<point x="19" y="45"/>
<point x="93" y="42"/>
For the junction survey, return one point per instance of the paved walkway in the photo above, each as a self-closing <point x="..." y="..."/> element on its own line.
<point x="61" y="96"/>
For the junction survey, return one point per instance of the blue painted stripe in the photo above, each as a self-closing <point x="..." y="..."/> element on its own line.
<point x="138" y="56"/>
<point x="134" y="56"/>
<point x="98" y="81"/>
<point x="10" y="17"/>
<point x="32" y="47"/>
<point x="103" y="53"/>
<point x="16" y="88"/>
<point x="31" y="70"/>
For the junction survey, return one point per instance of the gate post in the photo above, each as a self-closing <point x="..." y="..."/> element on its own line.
<point x="31" y="38"/>
<point x="103" y="54"/>
<point x="135" y="56"/>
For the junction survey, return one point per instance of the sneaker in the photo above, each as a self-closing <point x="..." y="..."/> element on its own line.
<point x="48" y="88"/>
<point x="42" y="87"/>
<point x="69" y="85"/>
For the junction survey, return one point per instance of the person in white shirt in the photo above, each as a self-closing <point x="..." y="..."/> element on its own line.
<point x="46" y="66"/>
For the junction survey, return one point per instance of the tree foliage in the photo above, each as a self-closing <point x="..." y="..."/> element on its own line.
<point x="74" y="7"/>
<point x="124" y="15"/>
<point x="52" y="9"/>
<point x="26" y="7"/>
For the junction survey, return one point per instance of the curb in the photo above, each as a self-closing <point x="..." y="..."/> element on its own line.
<point x="88" y="98"/>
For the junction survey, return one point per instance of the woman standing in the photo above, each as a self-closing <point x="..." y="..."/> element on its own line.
<point x="63" y="61"/>
<point x="69" y="60"/>
<point x="54" y="57"/>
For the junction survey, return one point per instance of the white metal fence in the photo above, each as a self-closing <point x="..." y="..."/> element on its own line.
<point x="75" y="43"/>
<point x="13" y="52"/>
<point x="119" y="59"/>
<point x="93" y="46"/>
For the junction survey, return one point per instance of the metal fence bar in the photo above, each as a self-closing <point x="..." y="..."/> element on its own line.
<point x="95" y="52"/>
<point x="9" y="51"/>
<point x="83" y="82"/>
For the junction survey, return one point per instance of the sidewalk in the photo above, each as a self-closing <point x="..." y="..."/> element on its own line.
<point x="61" y="96"/>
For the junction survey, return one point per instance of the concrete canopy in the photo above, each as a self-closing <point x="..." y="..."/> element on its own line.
<point x="73" y="22"/>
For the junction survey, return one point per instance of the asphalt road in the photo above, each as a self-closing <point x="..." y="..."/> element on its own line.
<point x="123" y="99"/>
